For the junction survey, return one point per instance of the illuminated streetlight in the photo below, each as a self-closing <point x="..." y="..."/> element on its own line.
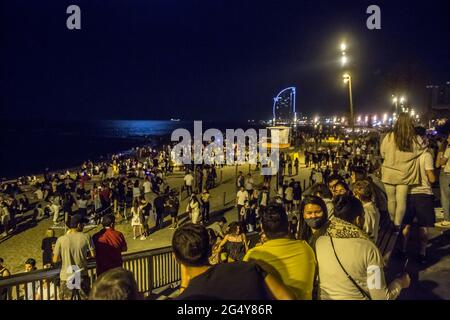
<point x="385" y="116"/>
<point x="343" y="46"/>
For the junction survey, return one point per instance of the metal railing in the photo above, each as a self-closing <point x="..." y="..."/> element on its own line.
<point x="152" y="269"/>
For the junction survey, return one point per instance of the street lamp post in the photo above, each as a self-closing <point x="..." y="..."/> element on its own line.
<point x="348" y="78"/>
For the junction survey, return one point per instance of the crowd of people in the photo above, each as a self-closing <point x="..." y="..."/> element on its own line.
<point x="292" y="243"/>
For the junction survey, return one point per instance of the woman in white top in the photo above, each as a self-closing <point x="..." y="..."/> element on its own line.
<point x="137" y="221"/>
<point x="400" y="151"/>
<point x="194" y="209"/>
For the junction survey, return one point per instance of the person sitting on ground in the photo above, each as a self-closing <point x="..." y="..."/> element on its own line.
<point x="219" y="227"/>
<point x="115" y="284"/>
<point x="363" y="192"/>
<point x="313" y="219"/>
<point x="291" y="261"/>
<point x="235" y="243"/>
<point x="226" y="281"/>
<point x="350" y="265"/>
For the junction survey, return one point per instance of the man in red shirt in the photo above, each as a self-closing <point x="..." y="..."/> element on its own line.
<point x="109" y="245"/>
<point x="105" y="196"/>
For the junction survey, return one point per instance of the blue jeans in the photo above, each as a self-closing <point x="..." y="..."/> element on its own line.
<point x="444" y="181"/>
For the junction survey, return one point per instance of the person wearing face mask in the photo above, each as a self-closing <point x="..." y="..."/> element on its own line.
<point x="350" y="265"/>
<point x="312" y="220"/>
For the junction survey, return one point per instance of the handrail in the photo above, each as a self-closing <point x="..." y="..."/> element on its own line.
<point x="152" y="269"/>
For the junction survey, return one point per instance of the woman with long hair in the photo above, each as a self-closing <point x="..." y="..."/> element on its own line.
<point x="194" y="209"/>
<point x="235" y="243"/>
<point x="137" y="221"/>
<point x="313" y="216"/>
<point x="400" y="150"/>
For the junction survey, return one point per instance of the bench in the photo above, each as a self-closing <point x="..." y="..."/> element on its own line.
<point x="387" y="237"/>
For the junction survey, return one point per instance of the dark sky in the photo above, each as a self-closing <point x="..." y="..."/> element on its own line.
<point x="213" y="59"/>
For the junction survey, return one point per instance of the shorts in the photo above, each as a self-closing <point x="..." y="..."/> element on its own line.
<point x="296" y="202"/>
<point x="68" y="294"/>
<point x="420" y="206"/>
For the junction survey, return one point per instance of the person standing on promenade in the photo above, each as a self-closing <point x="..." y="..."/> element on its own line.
<point x="241" y="197"/>
<point x="444" y="182"/>
<point x="4" y="273"/>
<point x="47" y="247"/>
<point x="204" y="198"/>
<point x="72" y="250"/>
<point x="137" y="221"/>
<point x="188" y="182"/>
<point x="109" y="245"/>
<point x="400" y="151"/>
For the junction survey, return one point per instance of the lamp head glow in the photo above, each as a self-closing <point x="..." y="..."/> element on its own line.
<point x="402" y="99"/>
<point x="343" y="46"/>
<point x="395" y="100"/>
<point x="344" y="60"/>
<point x="346" y="77"/>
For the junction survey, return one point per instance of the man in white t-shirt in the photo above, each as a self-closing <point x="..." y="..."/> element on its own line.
<point x="241" y="197"/>
<point x="147" y="189"/>
<point x="420" y="205"/>
<point x="188" y="182"/>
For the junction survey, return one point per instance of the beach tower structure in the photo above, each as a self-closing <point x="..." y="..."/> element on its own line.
<point x="284" y="112"/>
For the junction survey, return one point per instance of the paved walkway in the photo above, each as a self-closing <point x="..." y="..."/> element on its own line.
<point x="17" y="249"/>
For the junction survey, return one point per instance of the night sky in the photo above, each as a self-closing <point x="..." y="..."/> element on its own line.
<point x="214" y="59"/>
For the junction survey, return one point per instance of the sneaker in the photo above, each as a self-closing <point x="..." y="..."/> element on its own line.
<point x="442" y="224"/>
<point x="143" y="238"/>
<point x="4" y="234"/>
<point x="134" y="238"/>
